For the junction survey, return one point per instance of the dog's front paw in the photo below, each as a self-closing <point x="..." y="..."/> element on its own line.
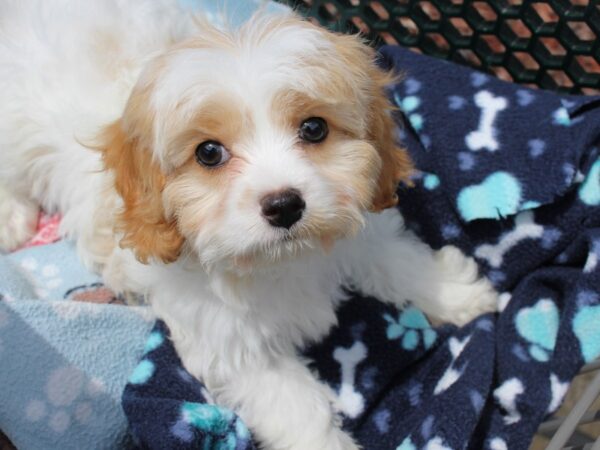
<point x="463" y="295"/>
<point x="461" y="303"/>
<point x="454" y="266"/>
<point x="18" y="219"/>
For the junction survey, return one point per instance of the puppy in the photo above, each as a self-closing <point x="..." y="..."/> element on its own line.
<point x="238" y="179"/>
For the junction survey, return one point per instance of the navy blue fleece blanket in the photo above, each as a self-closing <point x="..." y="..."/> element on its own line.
<point x="511" y="176"/>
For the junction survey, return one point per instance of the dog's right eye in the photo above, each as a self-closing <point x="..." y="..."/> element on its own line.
<point x="313" y="129"/>
<point x="211" y="154"/>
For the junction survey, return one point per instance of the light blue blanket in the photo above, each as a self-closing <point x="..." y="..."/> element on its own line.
<point x="63" y="362"/>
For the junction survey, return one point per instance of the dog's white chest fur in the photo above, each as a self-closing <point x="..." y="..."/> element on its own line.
<point x="220" y="322"/>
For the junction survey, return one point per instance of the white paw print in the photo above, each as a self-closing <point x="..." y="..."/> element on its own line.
<point x="29" y="264"/>
<point x="59" y="421"/>
<point x="68" y="399"/>
<point x="50" y="270"/>
<point x="51" y="275"/>
<point x="35" y="410"/>
<point x="47" y="276"/>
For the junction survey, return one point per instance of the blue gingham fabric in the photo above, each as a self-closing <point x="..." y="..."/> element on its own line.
<point x="512" y="177"/>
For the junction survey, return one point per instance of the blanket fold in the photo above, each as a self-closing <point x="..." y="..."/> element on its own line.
<point x="498" y="148"/>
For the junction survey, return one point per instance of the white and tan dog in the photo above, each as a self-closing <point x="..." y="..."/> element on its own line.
<point x="236" y="178"/>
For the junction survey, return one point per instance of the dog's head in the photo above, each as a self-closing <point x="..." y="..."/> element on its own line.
<point x="251" y="145"/>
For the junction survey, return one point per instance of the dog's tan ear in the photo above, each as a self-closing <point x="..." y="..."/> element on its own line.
<point x="396" y="164"/>
<point x="360" y="65"/>
<point x="140" y="182"/>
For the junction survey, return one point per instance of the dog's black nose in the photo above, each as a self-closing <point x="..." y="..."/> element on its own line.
<point x="284" y="208"/>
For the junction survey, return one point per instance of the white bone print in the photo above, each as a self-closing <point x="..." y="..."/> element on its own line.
<point x="485" y="135"/>
<point x="506" y="396"/>
<point x="558" y="389"/>
<point x="451" y="375"/>
<point x="350" y="401"/>
<point x="525" y="228"/>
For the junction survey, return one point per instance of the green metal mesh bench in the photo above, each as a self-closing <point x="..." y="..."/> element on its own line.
<point x="551" y="44"/>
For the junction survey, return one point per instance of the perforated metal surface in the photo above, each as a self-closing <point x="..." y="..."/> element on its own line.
<point x="552" y="44"/>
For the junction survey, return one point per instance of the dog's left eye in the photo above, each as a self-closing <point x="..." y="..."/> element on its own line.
<point x="211" y="154"/>
<point x="313" y="130"/>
